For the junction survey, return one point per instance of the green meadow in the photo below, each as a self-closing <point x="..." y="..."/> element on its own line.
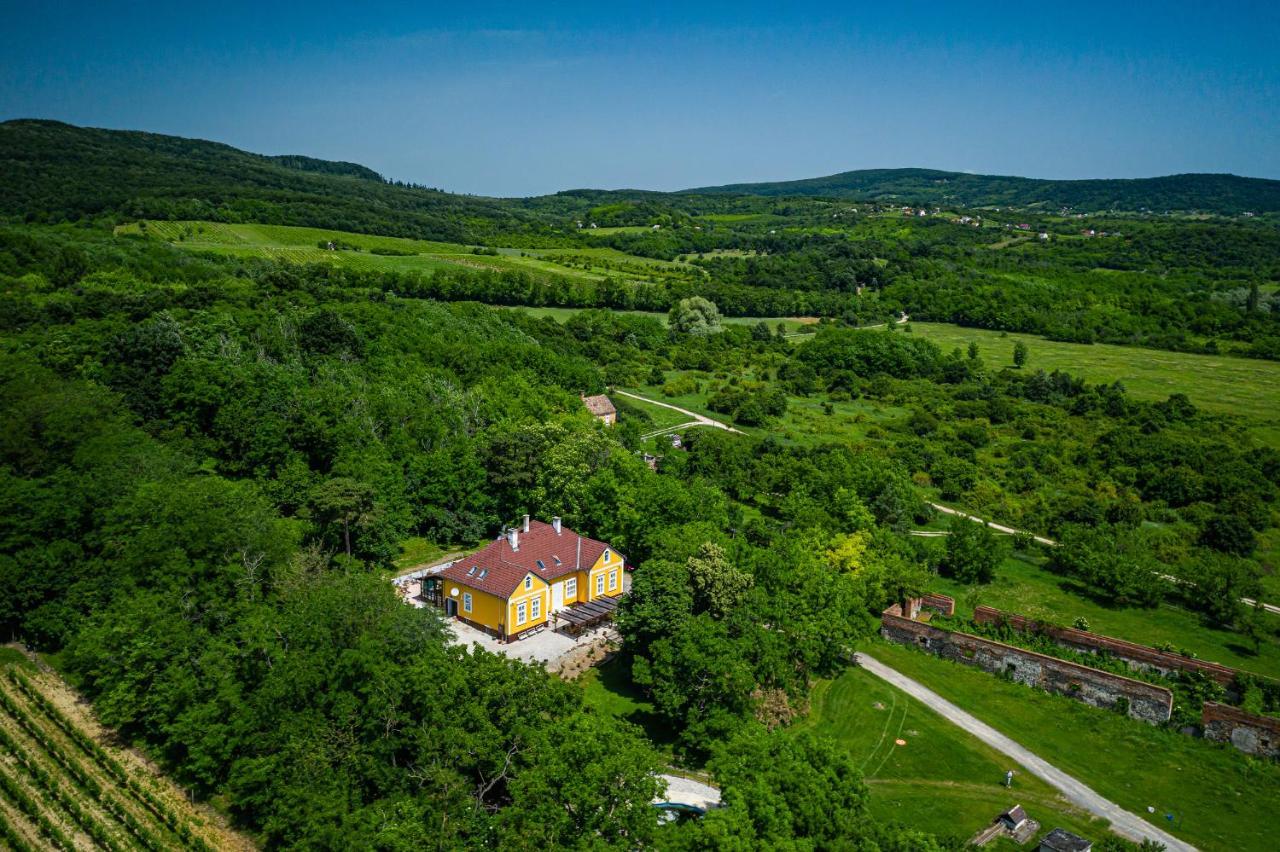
<point x="792" y="324"/>
<point x="1023" y="586"/>
<point x="302" y="245"/>
<point x="1246" y="387"/>
<point x="1220" y="798"/>
<point x="942" y="780"/>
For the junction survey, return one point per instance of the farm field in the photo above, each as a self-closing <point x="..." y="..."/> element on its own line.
<point x="943" y="780"/>
<point x="300" y="245"/>
<point x="1247" y="387"/>
<point x="63" y="785"/>
<point x="1220" y="799"/>
<point x="1022" y="586"/>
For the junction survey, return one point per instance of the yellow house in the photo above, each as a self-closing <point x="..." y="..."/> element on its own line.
<point x="527" y="575"/>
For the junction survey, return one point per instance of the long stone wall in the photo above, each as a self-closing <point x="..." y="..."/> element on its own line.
<point x="1251" y="734"/>
<point x="1137" y="656"/>
<point x="1146" y="701"/>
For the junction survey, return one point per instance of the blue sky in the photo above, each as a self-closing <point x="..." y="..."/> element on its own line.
<point x="513" y="100"/>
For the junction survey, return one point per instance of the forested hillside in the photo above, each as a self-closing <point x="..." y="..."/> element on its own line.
<point x="222" y="432"/>
<point x="54" y="171"/>
<point x="1216" y="193"/>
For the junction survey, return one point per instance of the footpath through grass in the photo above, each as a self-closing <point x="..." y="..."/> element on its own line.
<point x="1221" y="799"/>
<point x="942" y="780"/>
<point x="1022" y="586"/>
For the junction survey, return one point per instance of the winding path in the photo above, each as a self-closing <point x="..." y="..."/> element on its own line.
<point x="1128" y="824"/>
<point x="947" y="510"/>
<point x="695" y="419"/>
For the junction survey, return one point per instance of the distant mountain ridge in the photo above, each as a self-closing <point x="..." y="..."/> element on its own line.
<point x="1218" y="193"/>
<point x="53" y="171"/>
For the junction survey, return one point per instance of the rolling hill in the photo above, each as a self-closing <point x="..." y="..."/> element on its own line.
<point x="1217" y="193"/>
<point x="50" y="171"/>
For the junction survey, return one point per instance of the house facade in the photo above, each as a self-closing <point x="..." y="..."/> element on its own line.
<point x="528" y="574"/>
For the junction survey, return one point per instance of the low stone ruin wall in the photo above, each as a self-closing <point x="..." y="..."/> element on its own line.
<point x="1146" y="701"/>
<point x="1137" y="656"/>
<point x="1251" y="734"/>
<point x="941" y="603"/>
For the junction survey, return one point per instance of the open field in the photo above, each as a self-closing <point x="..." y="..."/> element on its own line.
<point x="1243" y="386"/>
<point x="63" y="784"/>
<point x="943" y="780"/>
<point x="302" y="245"/>
<point x="793" y="324"/>
<point x="1022" y="586"/>
<point x="1220" y="798"/>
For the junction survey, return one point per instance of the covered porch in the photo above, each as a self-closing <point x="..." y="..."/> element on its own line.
<point x="576" y="618"/>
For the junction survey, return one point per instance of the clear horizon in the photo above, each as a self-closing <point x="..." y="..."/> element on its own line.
<point x="505" y="102"/>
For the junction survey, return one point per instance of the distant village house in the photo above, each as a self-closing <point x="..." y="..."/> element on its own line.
<point x="601" y="408"/>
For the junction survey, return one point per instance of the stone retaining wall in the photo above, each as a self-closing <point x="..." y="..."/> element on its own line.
<point x="1146" y="701"/>
<point x="1137" y="656"/>
<point x="1251" y="734"/>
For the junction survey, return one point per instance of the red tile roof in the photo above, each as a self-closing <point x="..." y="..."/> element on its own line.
<point x="499" y="570"/>
<point x="599" y="405"/>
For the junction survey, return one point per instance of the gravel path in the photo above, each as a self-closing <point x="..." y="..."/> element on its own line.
<point x="1123" y="822"/>
<point x="695" y="418"/>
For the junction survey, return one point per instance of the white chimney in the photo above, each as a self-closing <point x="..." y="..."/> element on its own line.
<point x="555" y="524"/>
<point x="526" y="523"/>
<point x="513" y="538"/>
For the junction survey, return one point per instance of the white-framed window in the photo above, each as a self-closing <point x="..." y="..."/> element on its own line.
<point x="613" y="580"/>
<point x="521" y="614"/>
<point x="466" y="602"/>
<point x="600" y="584"/>
<point x="528" y="582"/>
<point x="571" y="588"/>
<point x="607" y="556"/>
<point x="535" y="608"/>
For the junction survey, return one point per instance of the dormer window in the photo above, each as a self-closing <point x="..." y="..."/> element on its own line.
<point x="484" y="572"/>
<point x="471" y="572"/>
<point x="557" y="560"/>
<point x="542" y="566"/>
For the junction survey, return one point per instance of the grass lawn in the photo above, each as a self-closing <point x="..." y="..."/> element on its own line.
<point x="1221" y="799"/>
<point x="1248" y="387"/>
<point x="415" y="551"/>
<point x="662" y="418"/>
<point x="608" y="690"/>
<point x="943" y="780"/>
<point x="1022" y="586"/>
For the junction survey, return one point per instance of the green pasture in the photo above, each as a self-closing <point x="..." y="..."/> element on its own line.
<point x="301" y="245"/>
<point x="1022" y="586"/>
<point x="660" y="417"/>
<point x="792" y="324"/>
<point x="1220" y="798"/>
<point x="1242" y="386"/>
<point x="943" y="780"/>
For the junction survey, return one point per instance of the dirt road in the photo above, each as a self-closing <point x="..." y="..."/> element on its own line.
<point x="1128" y="824"/>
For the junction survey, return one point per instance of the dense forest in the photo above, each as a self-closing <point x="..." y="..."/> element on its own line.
<point x="188" y="444"/>
<point x="209" y="461"/>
